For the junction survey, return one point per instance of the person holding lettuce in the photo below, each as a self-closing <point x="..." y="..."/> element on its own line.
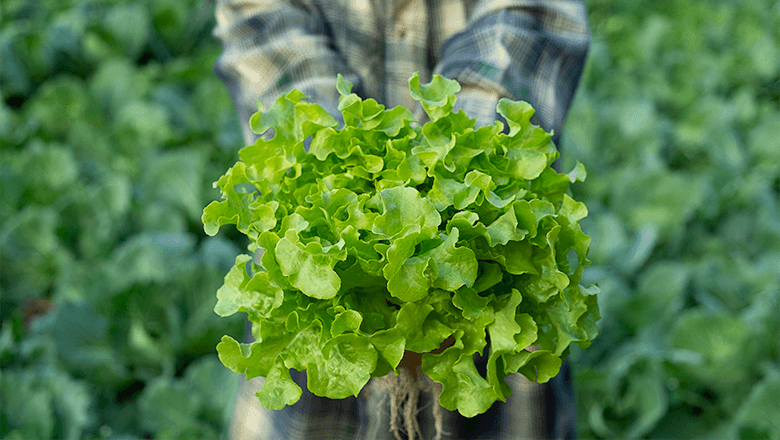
<point x="518" y="49"/>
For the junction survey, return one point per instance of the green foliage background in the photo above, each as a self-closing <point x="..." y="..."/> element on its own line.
<point x="113" y="126"/>
<point x="678" y="124"/>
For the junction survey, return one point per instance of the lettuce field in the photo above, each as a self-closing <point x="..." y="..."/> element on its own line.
<point x="678" y="123"/>
<point x="113" y="127"/>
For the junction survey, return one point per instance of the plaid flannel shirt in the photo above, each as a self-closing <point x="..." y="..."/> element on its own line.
<point x="519" y="49"/>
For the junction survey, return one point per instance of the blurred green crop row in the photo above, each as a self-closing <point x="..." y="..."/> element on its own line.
<point x="678" y="123"/>
<point x="112" y="128"/>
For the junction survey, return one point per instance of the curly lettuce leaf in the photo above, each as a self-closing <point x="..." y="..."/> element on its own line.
<point x="388" y="236"/>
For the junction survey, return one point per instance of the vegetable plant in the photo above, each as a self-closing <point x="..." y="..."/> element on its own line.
<point x="385" y="235"/>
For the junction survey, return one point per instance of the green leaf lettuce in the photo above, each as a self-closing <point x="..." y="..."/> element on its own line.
<point x="389" y="236"/>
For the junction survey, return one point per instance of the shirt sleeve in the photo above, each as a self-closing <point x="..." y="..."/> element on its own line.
<point x="271" y="47"/>
<point x="531" y="50"/>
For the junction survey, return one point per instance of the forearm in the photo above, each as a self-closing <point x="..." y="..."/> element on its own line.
<point x="271" y="47"/>
<point x="521" y="50"/>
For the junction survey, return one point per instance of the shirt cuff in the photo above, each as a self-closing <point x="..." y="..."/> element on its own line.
<point x="328" y="100"/>
<point x="479" y="104"/>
